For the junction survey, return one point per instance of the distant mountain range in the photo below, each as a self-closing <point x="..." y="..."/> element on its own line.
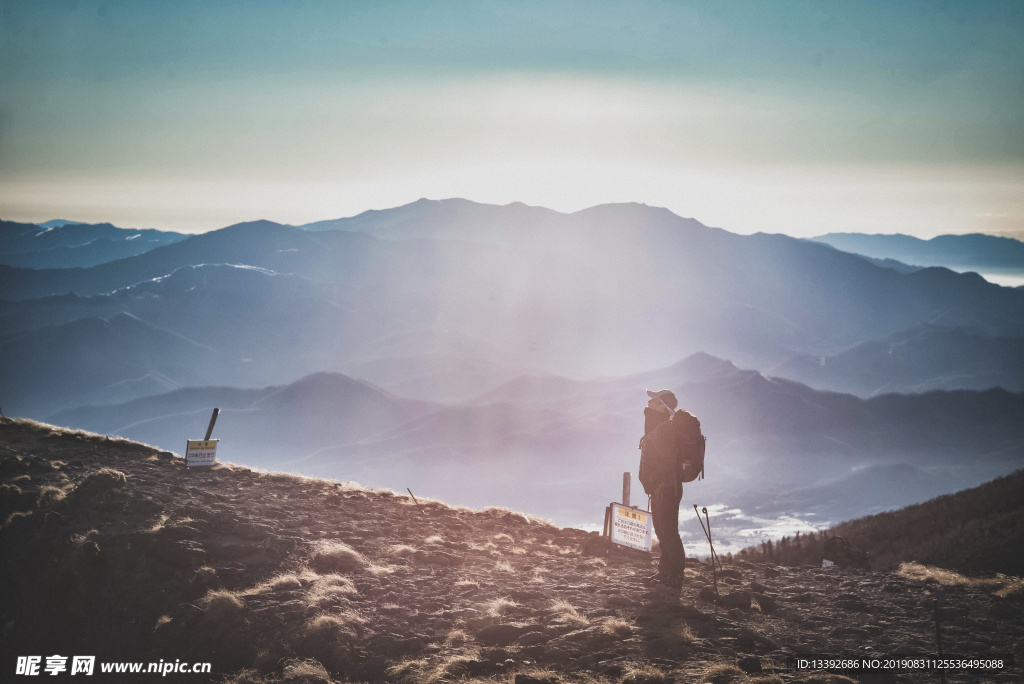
<point x="498" y="354"/>
<point x="66" y="244"/>
<point x="975" y="251"/>
<point x="556" y="443"/>
<point x="484" y="292"/>
<point x="919" y="359"/>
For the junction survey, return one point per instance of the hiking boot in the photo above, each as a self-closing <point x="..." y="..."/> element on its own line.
<point x="673" y="582"/>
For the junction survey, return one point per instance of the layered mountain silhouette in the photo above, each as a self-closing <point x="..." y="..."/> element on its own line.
<point x="975" y="251"/>
<point x="553" y="443"/>
<point x="67" y="244"/>
<point x="483" y="291"/>
<point x="499" y="355"/>
<point x="916" y="360"/>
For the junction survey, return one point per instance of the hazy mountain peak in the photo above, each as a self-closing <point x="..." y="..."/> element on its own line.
<point x="59" y="223"/>
<point x="260" y="224"/>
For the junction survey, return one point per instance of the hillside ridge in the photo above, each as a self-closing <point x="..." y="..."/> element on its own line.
<point x="114" y="548"/>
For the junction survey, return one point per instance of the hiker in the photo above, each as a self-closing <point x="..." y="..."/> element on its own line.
<point x="661" y="480"/>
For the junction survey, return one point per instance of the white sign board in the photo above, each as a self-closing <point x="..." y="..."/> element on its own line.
<point x="201" y="452"/>
<point x="632" y="527"/>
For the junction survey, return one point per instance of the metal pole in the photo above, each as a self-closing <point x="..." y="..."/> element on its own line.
<point x="625" y="489"/>
<point x="715" y="555"/>
<point x="714" y="574"/>
<point x="213" y="419"/>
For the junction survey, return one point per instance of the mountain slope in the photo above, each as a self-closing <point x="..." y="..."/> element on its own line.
<point x="975" y="531"/>
<point x="114" y="549"/>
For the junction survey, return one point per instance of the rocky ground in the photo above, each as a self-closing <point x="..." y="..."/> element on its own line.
<point x="115" y="549"/>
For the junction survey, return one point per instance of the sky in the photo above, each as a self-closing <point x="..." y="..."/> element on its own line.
<point x="797" y="117"/>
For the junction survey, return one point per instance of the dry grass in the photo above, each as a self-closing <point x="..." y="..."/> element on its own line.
<point x="617" y="627"/>
<point x="221" y="605"/>
<point x="504" y="566"/>
<point x="305" y="672"/>
<point x="159" y="524"/>
<point x="457" y="637"/>
<point x="350" y="486"/>
<point x="326" y="590"/>
<point x="49" y="495"/>
<point x="592" y="564"/>
<point x="537" y="672"/>
<point x="286" y="581"/>
<point x="724" y="674"/>
<point x="246" y="676"/>
<point x="500" y="606"/>
<point x="401" y="551"/>
<point x="434" y="539"/>
<point x="330" y="638"/>
<point x="1000" y="585"/>
<point x="501" y="511"/>
<point x="540" y="576"/>
<point x="337" y="557"/>
<point x="567" y="613"/>
<point x="78" y="540"/>
<point x="503" y="537"/>
<point x="304" y="480"/>
<point x="490" y="547"/>
<point x="645" y="674"/>
<point x="378" y="570"/>
<point x="56" y="430"/>
<point x="422" y="671"/>
<point x="346" y="623"/>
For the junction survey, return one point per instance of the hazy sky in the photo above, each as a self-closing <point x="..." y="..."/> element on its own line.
<point x="799" y="117"/>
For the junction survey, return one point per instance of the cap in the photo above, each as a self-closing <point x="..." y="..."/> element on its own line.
<point x="666" y="397"/>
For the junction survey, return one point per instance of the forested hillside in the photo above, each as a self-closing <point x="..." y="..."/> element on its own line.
<point x="976" y="531"/>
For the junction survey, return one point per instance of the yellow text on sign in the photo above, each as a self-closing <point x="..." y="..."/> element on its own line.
<point x="633" y="515"/>
<point x="202" y="445"/>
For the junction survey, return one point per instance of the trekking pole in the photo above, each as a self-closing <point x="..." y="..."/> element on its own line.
<point x="714" y="575"/>
<point x="707" y="535"/>
<point x="713" y="553"/>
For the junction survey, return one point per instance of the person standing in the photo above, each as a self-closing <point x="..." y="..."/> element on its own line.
<point x="661" y="480"/>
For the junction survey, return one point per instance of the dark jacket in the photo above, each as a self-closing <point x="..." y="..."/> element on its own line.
<point x="657" y="452"/>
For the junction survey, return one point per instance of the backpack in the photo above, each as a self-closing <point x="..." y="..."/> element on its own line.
<point x="690" y="445"/>
<point x="672" y="451"/>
